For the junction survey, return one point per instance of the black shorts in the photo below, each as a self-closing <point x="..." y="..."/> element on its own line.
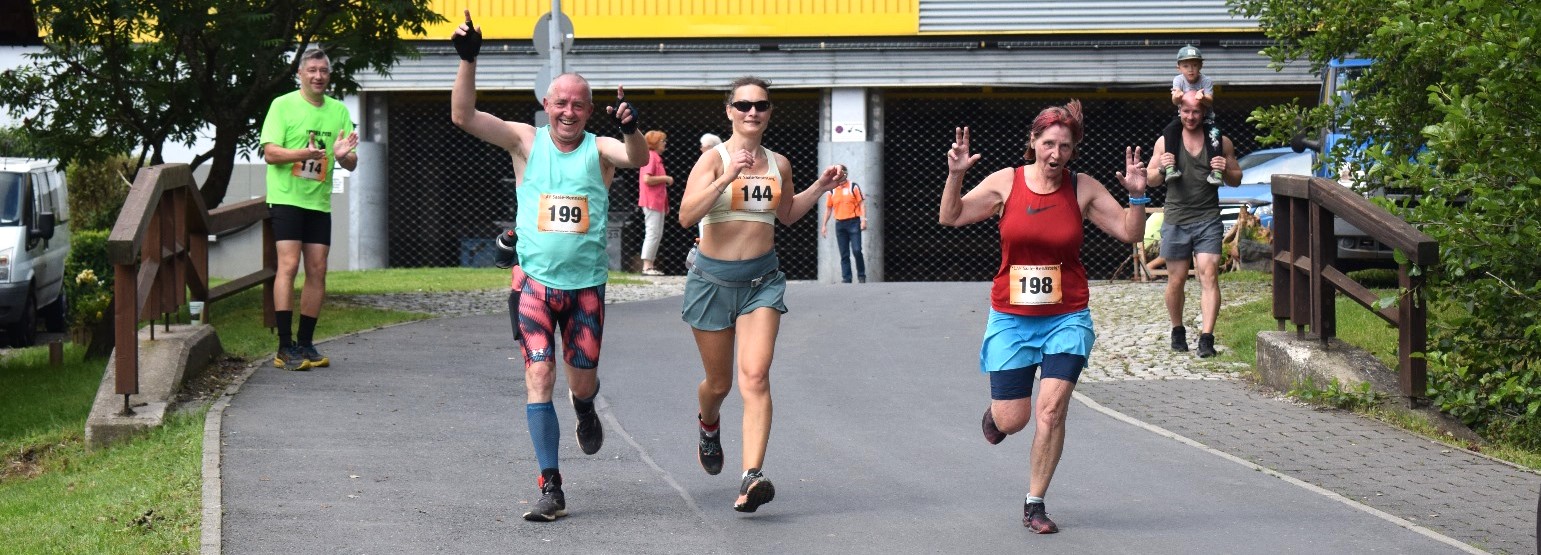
<point x="292" y="223"/>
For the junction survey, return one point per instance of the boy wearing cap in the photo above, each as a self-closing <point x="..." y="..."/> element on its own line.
<point x="1189" y="79"/>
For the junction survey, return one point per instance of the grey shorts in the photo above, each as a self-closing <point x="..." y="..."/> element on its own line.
<point x="711" y="306"/>
<point x="1182" y="241"/>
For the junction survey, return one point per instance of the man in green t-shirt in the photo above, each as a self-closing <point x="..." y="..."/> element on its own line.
<point x="305" y="132"/>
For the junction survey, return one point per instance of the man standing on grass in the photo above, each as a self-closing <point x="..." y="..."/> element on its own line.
<point x="304" y="133"/>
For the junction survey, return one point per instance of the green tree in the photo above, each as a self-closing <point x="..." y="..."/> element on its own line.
<point x="136" y="75"/>
<point x="1452" y="108"/>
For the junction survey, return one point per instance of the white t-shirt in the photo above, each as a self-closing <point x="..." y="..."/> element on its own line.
<point x="1205" y="84"/>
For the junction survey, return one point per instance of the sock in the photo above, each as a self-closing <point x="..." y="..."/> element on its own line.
<point x="710" y="429"/>
<point x="549" y="476"/>
<point x="1030" y="500"/>
<point x="586" y="406"/>
<point x="544" y="433"/>
<point x="284" y="319"/>
<point x="307" y="329"/>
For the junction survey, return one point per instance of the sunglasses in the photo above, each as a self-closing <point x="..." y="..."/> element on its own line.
<point x="745" y="105"/>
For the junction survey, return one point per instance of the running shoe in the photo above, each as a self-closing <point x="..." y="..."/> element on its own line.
<point x="290" y="358"/>
<point x="1035" y="518"/>
<point x="993" y="434"/>
<point x="552" y="503"/>
<point x="754" y="491"/>
<point x="590" y="434"/>
<point x="709" y="452"/>
<point x="1180" y="339"/>
<point x="1206" y="345"/>
<point x="1173" y="175"/>
<point x="314" y="358"/>
<point x="1216" y="178"/>
<point x="652" y="272"/>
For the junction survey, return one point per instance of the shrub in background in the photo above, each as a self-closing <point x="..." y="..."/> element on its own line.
<point x="97" y="192"/>
<point x="88" y="281"/>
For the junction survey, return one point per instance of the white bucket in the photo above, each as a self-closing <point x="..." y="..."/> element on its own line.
<point x="195" y="310"/>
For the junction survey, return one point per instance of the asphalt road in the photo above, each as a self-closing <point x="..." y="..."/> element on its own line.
<point x="414" y="441"/>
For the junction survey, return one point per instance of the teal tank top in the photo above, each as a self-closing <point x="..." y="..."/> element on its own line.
<point x="563" y="208"/>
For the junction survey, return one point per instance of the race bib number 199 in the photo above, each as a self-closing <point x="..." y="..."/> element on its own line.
<point x="563" y="213"/>
<point x="1035" y="285"/>
<point x="756" y="193"/>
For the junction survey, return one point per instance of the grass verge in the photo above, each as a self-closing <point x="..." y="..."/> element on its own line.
<point x="145" y="495"/>
<point x="1240" y="324"/>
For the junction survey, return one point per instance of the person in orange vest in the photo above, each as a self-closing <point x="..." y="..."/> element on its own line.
<point x="848" y="205"/>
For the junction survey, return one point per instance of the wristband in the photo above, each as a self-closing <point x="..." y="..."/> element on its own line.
<point x="1135" y="201"/>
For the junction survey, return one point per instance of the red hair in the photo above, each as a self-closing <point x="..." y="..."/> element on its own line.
<point x="1068" y="115"/>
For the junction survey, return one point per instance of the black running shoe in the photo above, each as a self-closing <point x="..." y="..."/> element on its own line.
<point x="1035" y="518"/>
<point x="590" y="434"/>
<point x="314" y="358"/>
<point x="1206" y="345"/>
<point x="290" y="358"/>
<point x="709" y="452"/>
<point x="552" y="504"/>
<point x="755" y="490"/>
<point x="993" y="434"/>
<point x="1180" y="339"/>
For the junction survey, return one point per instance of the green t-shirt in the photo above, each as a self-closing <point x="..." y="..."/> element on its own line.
<point x="292" y="122"/>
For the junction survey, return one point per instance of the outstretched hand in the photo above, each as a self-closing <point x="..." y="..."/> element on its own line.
<point x="830" y="178"/>
<point x="958" y="158"/>
<point x="467" y="40"/>
<point x="344" y="144"/>
<point x="1133" y="176"/>
<point x="624" y="113"/>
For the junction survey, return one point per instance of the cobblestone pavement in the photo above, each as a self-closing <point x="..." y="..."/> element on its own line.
<point x="1471" y="498"/>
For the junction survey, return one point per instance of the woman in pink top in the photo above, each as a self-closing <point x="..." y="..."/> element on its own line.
<point x="653" y="197"/>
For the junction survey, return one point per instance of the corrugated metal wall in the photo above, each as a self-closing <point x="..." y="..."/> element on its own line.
<point x="1055" y="16"/>
<point x="1018" y="63"/>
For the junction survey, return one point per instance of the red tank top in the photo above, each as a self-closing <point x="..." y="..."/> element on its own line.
<point x="1040" y="252"/>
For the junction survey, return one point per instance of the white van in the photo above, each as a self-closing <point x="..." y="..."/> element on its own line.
<point x="34" y="241"/>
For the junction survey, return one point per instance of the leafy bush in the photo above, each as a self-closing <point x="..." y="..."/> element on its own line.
<point x="88" y="279"/>
<point x="97" y="192"/>
<point x="15" y="142"/>
<point x="1448" y="110"/>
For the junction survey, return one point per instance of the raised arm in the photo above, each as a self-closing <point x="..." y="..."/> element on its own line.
<point x="981" y="202"/>
<point x="511" y="136"/>
<point x="1159" y="158"/>
<point x="806" y="200"/>
<point x="1124" y="224"/>
<point x="633" y="152"/>
<point x="708" y="178"/>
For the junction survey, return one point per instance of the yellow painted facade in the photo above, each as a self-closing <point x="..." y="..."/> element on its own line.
<point x="724" y="19"/>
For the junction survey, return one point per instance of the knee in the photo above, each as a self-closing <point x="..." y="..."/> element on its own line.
<point x="754" y="382"/>
<point x="539" y="377"/>
<point x="1009" y="424"/>
<point x="1051" y="418"/>
<point x="717" y="387"/>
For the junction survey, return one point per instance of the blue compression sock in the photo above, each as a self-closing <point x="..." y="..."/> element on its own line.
<point x="543" y="432"/>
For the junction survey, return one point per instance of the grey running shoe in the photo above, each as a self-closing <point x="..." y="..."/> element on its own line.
<point x="1180" y="339"/>
<point x="755" y="490"/>
<point x="290" y="358"/>
<point x="590" y="434"/>
<point x="1035" y="518"/>
<point x="1216" y="178"/>
<point x="709" y="452"/>
<point x="993" y="434"/>
<point x="552" y="503"/>
<point x="1173" y="175"/>
<point x="314" y="358"/>
<point x="1206" y="345"/>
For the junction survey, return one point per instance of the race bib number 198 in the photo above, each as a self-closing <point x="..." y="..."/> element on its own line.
<point x="1035" y="285"/>
<point x="563" y="213"/>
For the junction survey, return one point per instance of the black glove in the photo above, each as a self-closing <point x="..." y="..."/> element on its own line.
<point x="627" y="127"/>
<point x="469" y="44"/>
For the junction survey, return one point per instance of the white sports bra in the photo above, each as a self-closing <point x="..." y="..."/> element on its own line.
<point x="751" y="198"/>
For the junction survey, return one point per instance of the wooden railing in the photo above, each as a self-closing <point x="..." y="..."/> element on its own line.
<point x="159" y="250"/>
<point x="1306" y="279"/>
